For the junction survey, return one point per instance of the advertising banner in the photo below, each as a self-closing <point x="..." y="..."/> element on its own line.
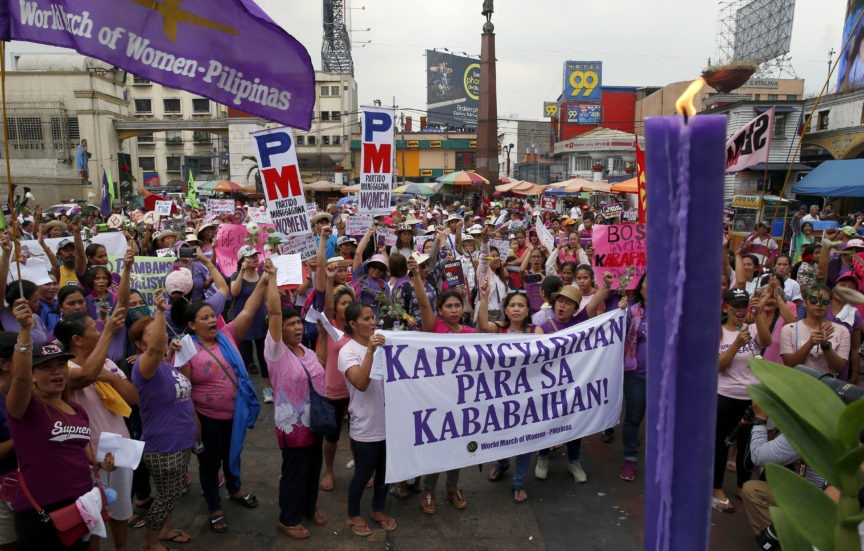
<point x="376" y="161"/>
<point x="752" y="144"/>
<point x="850" y="67"/>
<point x="582" y="80"/>
<point x="460" y="400"/>
<point x="283" y="190"/>
<point x="550" y="109"/>
<point x="620" y="249"/>
<point x="584" y="113"/>
<point x="452" y="89"/>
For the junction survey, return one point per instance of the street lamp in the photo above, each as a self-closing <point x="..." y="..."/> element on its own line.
<point x="507" y="149"/>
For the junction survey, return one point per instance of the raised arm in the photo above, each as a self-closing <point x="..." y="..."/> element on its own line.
<point x="330" y="273"/>
<point x="150" y="359"/>
<point x="218" y="280"/>
<point x="483" y="323"/>
<point x="427" y="315"/>
<point x="740" y="277"/>
<point x="52" y="258"/>
<point x="274" y="305"/>
<point x="125" y="287"/>
<point x="364" y="241"/>
<point x="92" y="368"/>
<point x="80" y="259"/>
<point x="21" y="386"/>
<point x="321" y="260"/>
<point x="5" y="257"/>
<point x="243" y="321"/>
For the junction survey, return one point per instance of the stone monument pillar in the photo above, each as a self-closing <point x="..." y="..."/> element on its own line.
<point x="487" y="119"/>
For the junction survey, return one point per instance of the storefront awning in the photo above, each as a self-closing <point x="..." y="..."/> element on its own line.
<point x="834" y="179"/>
<point x="796" y="167"/>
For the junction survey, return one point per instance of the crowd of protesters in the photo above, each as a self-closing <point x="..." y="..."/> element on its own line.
<point x="102" y="359"/>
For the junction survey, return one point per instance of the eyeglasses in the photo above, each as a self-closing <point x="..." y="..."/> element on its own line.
<point x="815" y="300"/>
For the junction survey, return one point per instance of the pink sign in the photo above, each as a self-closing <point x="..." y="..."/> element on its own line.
<point x="618" y="247"/>
<point x="229" y="239"/>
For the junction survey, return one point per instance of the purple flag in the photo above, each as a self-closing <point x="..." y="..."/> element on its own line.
<point x="105" y="207"/>
<point x="226" y="50"/>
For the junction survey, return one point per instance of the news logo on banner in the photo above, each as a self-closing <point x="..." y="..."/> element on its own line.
<point x="283" y="190"/>
<point x="620" y="249"/>
<point x="460" y="400"/>
<point x="376" y="160"/>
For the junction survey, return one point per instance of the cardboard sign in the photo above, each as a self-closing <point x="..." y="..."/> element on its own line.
<point x="376" y="160"/>
<point x="631" y="215"/>
<point x="163" y="208"/>
<point x="150" y="218"/>
<point x="357" y="224"/>
<point x="229" y="239"/>
<point x="611" y="209"/>
<point x="453" y="275"/>
<point x="115" y="222"/>
<point x="216" y="207"/>
<point x="617" y="247"/>
<point x="276" y="152"/>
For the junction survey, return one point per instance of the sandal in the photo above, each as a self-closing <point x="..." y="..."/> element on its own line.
<point x="143" y="504"/>
<point x="519" y="499"/>
<point x="399" y="491"/>
<point x="248" y="500"/>
<point x="297" y="532"/>
<point x="361" y="530"/>
<point x="217" y="523"/>
<point x="722" y="505"/>
<point x="319" y="518"/>
<point x="495" y="475"/>
<point x="137" y="521"/>
<point x="326" y="484"/>
<point x="387" y="522"/>
<point x="178" y="536"/>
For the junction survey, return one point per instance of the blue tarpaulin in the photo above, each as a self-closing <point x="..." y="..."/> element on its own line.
<point x="834" y="179"/>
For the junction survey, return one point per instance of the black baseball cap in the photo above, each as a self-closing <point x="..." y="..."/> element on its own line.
<point x="736" y="297"/>
<point x="49" y="351"/>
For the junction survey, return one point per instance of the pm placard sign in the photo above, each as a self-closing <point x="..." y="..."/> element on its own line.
<point x="283" y="189"/>
<point x="376" y="160"/>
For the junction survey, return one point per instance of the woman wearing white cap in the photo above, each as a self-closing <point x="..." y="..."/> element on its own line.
<point x="370" y="277"/>
<point x="243" y="283"/>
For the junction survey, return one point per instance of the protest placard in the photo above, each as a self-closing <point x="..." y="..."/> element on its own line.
<point x="34" y="270"/>
<point x="357" y="224"/>
<point x="543" y="235"/>
<point x="420" y="241"/>
<point x="229" y="239"/>
<point x="385" y="236"/>
<point x="259" y="215"/>
<point x="631" y="215"/>
<point x="148" y="274"/>
<point x="618" y="248"/>
<point x="289" y="269"/>
<point x="168" y="251"/>
<point x="548" y="203"/>
<point x="728" y="215"/>
<point x="283" y="189"/>
<point x="114" y="242"/>
<point x="376" y="160"/>
<point x="500" y="245"/>
<point x="460" y="400"/>
<point x="611" y="209"/>
<point x="453" y="276"/>
<point x="163" y="208"/>
<point x="216" y="207"/>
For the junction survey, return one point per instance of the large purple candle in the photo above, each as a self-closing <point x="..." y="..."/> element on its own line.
<point x="685" y="167"/>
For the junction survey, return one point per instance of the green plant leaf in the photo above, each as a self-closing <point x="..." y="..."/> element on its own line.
<point x="790" y="538"/>
<point x="818" y="450"/>
<point x="850" y="423"/>
<point x="806" y="506"/>
<point x="853" y="521"/>
<point x="850" y="460"/>
<point x="812" y="399"/>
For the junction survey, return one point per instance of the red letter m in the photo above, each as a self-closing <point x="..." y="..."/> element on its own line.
<point x="279" y="185"/>
<point x="377" y="160"/>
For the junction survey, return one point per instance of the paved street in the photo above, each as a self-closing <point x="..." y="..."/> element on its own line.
<point x="605" y="513"/>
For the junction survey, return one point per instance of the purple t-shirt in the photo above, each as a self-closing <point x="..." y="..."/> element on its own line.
<point x="39" y="333"/>
<point x="258" y="328"/>
<point x="553" y="325"/>
<point x="51" y="453"/>
<point x="167" y="413"/>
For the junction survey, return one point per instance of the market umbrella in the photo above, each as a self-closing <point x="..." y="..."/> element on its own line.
<point x="415" y="189"/>
<point x="221" y="186"/>
<point x="462" y="178"/>
<point x="323" y="186"/>
<point x="505" y="187"/>
<point x="345" y="200"/>
<point x="527" y="188"/>
<point x="351" y="189"/>
<point x="627" y="186"/>
<point x="578" y="184"/>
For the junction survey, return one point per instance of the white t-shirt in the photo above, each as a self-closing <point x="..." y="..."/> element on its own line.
<point x="809" y="218"/>
<point x="732" y="382"/>
<point x="795" y="335"/>
<point x="792" y="290"/>
<point x="365" y="407"/>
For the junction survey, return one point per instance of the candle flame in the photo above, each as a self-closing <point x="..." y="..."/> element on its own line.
<point x="684" y="104"/>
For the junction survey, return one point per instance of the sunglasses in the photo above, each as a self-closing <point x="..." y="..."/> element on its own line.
<point x="815" y="300"/>
<point x="517" y="292"/>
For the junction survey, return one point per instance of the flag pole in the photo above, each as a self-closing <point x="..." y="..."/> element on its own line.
<point x="16" y="244"/>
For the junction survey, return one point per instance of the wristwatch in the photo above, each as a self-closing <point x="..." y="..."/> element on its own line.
<point x="826" y="345"/>
<point x="759" y="421"/>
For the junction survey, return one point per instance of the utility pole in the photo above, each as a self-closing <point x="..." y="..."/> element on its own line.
<point x="831" y="53"/>
<point x="402" y="122"/>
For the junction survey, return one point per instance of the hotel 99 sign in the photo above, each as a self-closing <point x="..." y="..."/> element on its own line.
<point x="582" y="80"/>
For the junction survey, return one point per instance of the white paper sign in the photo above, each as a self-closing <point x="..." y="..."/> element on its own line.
<point x="215" y="207"/>
<point x="314" y="316"/>
<point x="187" y="351"/>
<point x="376" y="160"/>
<point x="34" y="270"/>
<point x="163" y="208"/>
<point x="165" y="252"/>
<point x="385" y="236"/>
<point x="127" y="452"/>
<point x="259" y="215"/>
<point x="543" y="235"/>
<point x="357" y="224"/>
<point x="460" y="400"/>
<point x="289" y="269"/>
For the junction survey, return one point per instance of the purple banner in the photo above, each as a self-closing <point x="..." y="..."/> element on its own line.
<point x="226" y="50"/>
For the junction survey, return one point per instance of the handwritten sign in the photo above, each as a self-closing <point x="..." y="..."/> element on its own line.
<point x="617" y="247"/>
<point x="163" y="208"/>
<point x="259" y="215"/>
<point x="216" y="207"/>
<point x="229" y="239"/>
<point x="420" y="242"/>
<point x="357" y="224"/>
<point x="501" y="245"/>
<point x="385" y="236"/>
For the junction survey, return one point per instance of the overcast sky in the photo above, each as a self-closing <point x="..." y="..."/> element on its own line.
<point x="640" y="42"/>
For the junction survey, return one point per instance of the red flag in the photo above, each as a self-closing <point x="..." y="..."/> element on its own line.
<point x="640" y="181"/>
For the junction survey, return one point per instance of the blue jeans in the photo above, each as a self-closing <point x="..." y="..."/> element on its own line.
<point x="523" y="463"/>
<point x="574" y="447"/>
<point x="634" y="413"/>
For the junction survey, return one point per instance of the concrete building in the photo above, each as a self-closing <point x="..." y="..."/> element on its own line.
<point x="836" y="130"/>
<point x="54" y="101"/>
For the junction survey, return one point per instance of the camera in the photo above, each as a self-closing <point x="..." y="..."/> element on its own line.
<point x="187" y="252"/>
<point x="847" y="392"/>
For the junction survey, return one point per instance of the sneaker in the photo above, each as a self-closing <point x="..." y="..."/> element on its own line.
<point x="427" y="502"/>
<point x="767" y="539"/>
<point x="608" y="435"/>
<point x="541" y="470"/>
<point x="628" y="470"/>
<point x="268" y="395"/>
<point x="578" y="472"/>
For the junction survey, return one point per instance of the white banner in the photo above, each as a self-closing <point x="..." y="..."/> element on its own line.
<point x="376" y="160"/>
<point x="283" y="189"/>
<point x="114" y="242"/>
<point x="460" y="400"/>
<point x="750" y="145"/>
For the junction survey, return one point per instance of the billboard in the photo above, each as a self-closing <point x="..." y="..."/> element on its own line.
<point x="452" y="89"/>
<point x="763" y="30"/>
<point x="582" y="80"/>
<point x="584" y="113"/>
<point x="550" y="109"/>
<point x="850" y="68"/>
